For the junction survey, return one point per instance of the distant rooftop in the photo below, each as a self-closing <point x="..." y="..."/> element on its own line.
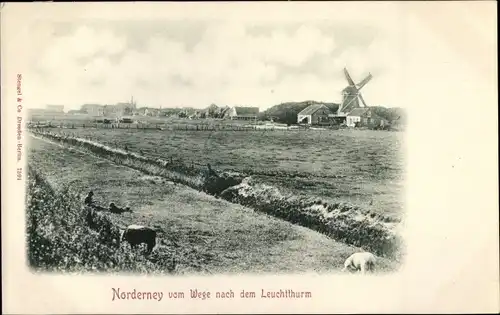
<point x="360" y="111"/>
<point x="311" y="109"/>
<point x="240" y="110"/>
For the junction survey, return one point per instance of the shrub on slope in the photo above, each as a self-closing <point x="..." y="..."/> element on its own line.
<point x="60" y="239"/>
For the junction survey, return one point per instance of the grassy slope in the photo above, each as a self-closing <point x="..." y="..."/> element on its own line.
<point x="359" y="167"/>
<point x="216" y="236"/>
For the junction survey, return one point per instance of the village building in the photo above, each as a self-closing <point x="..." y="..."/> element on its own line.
<point x="34" y="112"/>
<point x="120" y="109"/>
<point x="223" y="111"/>
<point x="242" y="113"/>
<point x="112" y="110"/>
<point x="75" y="112"/>
<point x="145" y="111"/>
<point x="212" y="111"/>
<point x="55" y="108"/>
<point x="93" y="109"/>
<point x="363" y="116"/>
<point x="316" y="114"/>
<point x="125" y="108"/>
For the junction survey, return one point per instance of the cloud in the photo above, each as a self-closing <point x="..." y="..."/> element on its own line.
<point x="228" y="65"/>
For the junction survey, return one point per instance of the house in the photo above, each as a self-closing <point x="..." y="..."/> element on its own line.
<point x="75" y="112"/>
<point x="212" y="111"/>
<point x="93" y="109"/>
<point x="33" y="112"/>
<point x="143" y="111"/>
<point x="154" y="112"/>
<point x="124" y="108"/>
<point x="242" y="113"/>
<point x="55" y="108"/>
<point x="363" y="116"/>
<point x="223" y="112"/>
<point x="315" y="114"/>
<point x="111" y="110"/>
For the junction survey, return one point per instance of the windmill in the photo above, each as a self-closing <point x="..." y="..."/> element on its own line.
<point x="351" y="97"/>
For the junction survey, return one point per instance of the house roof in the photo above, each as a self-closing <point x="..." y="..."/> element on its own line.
<point x="246" y="111"/>
<point x="309" y="110"/>
<point x="55" y="106"/>
<point x="360" y="111"/>
<point x="92" y="106"/>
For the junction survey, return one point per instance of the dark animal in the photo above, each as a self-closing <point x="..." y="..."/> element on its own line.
<point x="88" y="200"/>
<point x="138" y="234"/>
<point x="114" y="209"/>
<point x="210" y="172"/>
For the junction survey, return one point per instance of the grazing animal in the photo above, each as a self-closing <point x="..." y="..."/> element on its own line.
<point x="210" y="172"/>
<point x="88" y="200"/>
<point x="364" y="261"/>
<point x="138" y="234"/>
<point x="114" y="209"/>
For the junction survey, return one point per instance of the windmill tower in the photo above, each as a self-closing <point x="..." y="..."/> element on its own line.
<point x="351" y="96"/>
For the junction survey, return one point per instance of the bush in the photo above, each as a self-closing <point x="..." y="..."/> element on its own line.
<point x="64" y="236"/>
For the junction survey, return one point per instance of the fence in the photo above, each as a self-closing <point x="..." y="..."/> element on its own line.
<point x="171" y="127"/>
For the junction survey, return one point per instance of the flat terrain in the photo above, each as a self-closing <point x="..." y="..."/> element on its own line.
<point x="362" y="167"/>
<point x="212" y="235"/>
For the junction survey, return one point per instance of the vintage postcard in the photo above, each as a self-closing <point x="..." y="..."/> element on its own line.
<point x="278" y="157"/>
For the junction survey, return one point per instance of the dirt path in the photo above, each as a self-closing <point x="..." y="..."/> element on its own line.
<point x="215" y="235"/>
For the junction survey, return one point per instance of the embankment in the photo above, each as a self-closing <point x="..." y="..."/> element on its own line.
<point x="63" y="236"/>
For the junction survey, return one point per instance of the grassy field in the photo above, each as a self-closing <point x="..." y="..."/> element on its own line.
<point x="205" y="234"/>
<point x="361" y="167"/>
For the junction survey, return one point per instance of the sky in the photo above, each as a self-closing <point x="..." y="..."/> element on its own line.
<point x="196" y="61"/>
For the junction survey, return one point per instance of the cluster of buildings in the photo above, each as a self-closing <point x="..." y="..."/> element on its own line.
<point x="117" y="110"/>
<point x="130" y="109"/>
<point x="320" y="114"/>
<point x="230" y="112"/>
<point x="49" y="110"/>
<point x="352" y="112"/>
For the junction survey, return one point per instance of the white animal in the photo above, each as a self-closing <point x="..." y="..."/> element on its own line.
<point x="364" y="261"/>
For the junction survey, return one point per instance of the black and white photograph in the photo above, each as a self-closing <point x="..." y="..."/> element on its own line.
<point x="230" y="143"/>
<point x="212" y="146"/>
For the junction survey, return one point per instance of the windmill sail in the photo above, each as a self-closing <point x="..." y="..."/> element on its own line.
<point x="365" y="80"/>
<point x="351" y="96"/>
<point x="362" y="100"/>
<point x="348" y="77"/>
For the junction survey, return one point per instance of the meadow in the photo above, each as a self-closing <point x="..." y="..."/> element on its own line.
<point x="198" y="233"/>
<point x="360" y="167"/>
